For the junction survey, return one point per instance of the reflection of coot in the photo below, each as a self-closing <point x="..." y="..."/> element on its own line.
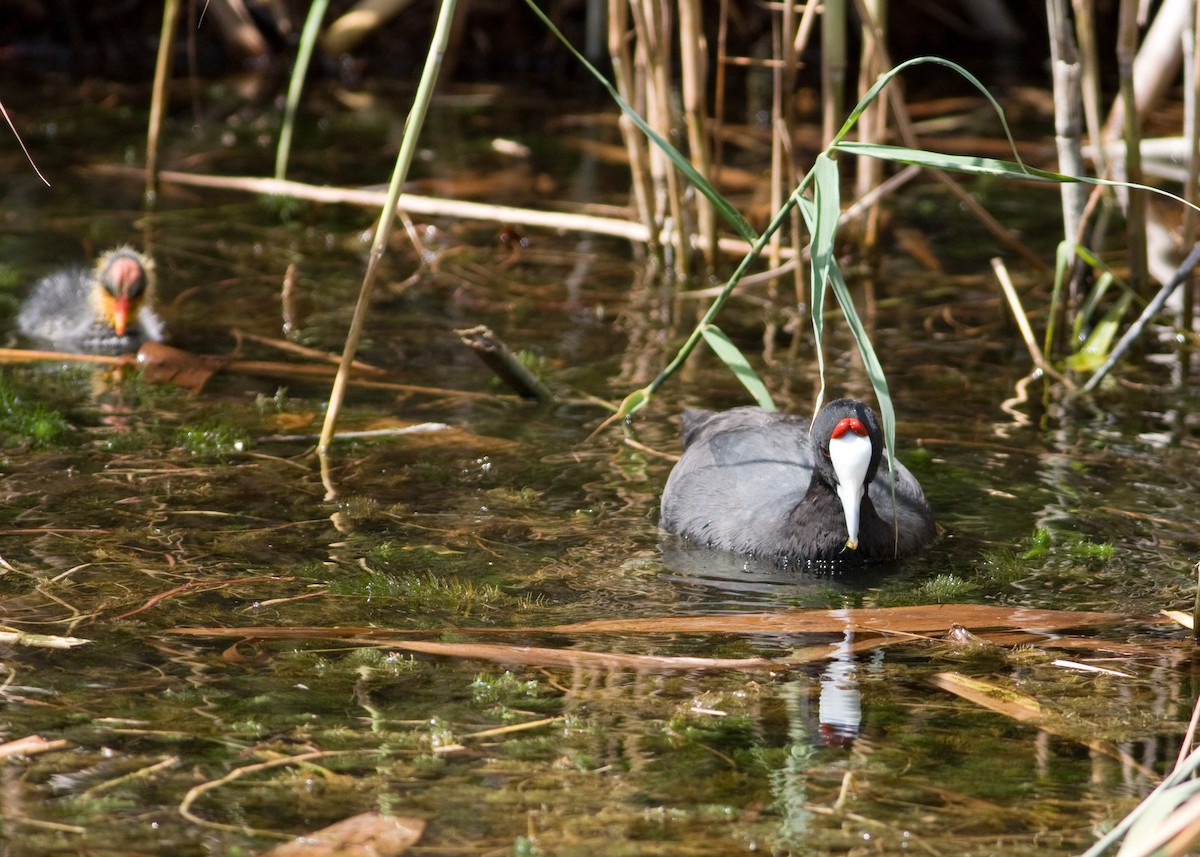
<point x="756" y="482"/>
<point x="102" y="310"/>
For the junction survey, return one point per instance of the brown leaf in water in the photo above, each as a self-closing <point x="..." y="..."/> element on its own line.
<point x="365" y="835"/>
<point x="1019" y="622"/>
<point x="873" y="626"/>
<point x="538" y="656"/>
<point x="162" y="364"/>
<point x="926" y="619"/>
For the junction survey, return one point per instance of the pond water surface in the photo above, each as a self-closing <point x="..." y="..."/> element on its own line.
<point x="149" y="520"/>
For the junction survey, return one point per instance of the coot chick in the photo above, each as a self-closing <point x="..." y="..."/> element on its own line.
<point x="101" y="310"/>
<point x="758" y="482"/>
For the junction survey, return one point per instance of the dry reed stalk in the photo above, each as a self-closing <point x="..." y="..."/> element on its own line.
<point x="804" y="31"/>
<point x="833" y="65"/>
<point x="1191" y="132"/>
<point x="1068" y="130"/>
<point x="636" y="145"/>
<point x="872" y="125"/>
<point x="693" y="60"/>
<point x="1089" y="79"/>
<point x="1135" y="208"/>
<point x="652" y="26"/>
<point x="1068" y="109"/>
<point x="722" y="63"/>
<point x="783" y="173"/>
<point x="408" y="145"/>
<point x="158" y="98"/>
<point x="1155" y="66"/>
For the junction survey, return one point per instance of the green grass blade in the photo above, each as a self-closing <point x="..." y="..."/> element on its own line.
<point x="1091" y="302"/>
<point x="1063" y="255"/>
<point x="308" y="38"/>
<point x="720" y="203"/>
<point x="841" y="292"/>
<point x="886" y="78"/>
<point x="993" y="167"/>
<point x="822" y="217"/>
<point x="732" y="357"/>
<point x="1095" y="350"/>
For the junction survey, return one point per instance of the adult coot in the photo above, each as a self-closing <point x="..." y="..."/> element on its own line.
<point x="102" y="310"/>
<point x="761" y="483"/>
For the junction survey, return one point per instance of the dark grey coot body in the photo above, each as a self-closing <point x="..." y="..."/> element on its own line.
<point x="747" y="483"/>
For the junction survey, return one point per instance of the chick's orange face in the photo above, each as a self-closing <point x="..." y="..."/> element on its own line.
<point x="124" y="284"/>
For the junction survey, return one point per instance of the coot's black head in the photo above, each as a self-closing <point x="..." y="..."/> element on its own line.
<point x="848" y="447"/>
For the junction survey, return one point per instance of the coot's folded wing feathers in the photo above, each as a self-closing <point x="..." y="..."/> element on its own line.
<point x="736" y="479"/>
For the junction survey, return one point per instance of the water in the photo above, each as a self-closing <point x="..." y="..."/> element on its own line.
<point x="160" y="520"/>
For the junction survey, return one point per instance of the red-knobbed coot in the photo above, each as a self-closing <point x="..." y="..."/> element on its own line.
<point x="759" y="482"/>
<point x="101" y="310"/>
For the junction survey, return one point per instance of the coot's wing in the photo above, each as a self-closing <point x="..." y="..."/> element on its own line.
<point x="741" y="474"/>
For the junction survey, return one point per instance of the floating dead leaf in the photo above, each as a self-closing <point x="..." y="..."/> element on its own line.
<point x="366" y="835"/>
<point x="162" y="364"/>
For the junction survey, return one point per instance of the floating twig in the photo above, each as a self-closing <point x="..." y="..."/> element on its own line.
<point x="497" y="356"/>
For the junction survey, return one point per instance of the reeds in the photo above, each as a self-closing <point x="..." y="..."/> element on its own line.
<point x="660" y="67"/>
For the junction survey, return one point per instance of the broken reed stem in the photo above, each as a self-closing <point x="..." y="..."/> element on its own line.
<point x="1014" y="304"/>
<point x="497" y="357"/>
<point x="408" y="148"/>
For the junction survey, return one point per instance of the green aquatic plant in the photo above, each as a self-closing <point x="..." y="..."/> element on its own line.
<point x="25" y="420"/>
<point x="947" y="589"/>
<point x="423" y="592"/>
<point x="212" y="438"/>
<point x="1066" y="544"/>
<point x="502" y="689"/>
